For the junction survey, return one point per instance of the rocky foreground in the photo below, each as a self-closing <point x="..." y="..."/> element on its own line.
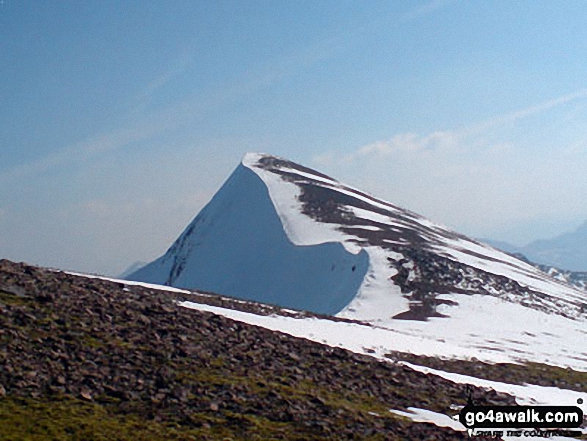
<point x="90" y="359"/>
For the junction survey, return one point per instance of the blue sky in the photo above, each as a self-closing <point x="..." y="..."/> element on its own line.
<point x="119" y="120"/>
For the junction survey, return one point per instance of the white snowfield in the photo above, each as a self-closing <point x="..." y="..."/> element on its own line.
<point x="482" y="327"/>
<point x="470" y="331"/>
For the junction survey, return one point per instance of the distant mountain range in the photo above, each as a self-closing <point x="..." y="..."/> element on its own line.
<point x="567" y="251"/>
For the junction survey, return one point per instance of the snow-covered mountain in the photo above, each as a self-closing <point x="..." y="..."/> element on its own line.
<point x="578" y="279"/>
<point x="278" y="232"/>
<point x="426" y="371"/>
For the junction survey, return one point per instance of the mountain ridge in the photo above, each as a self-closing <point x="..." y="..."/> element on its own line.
<point x="241" y="212"/>
<point x="411" y="263"/>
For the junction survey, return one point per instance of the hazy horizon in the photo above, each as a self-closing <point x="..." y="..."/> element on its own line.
<point x="120" y="121"/>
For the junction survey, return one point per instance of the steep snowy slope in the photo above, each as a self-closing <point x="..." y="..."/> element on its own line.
<point x="237" y="246"/>
<point x="281" y="233"/>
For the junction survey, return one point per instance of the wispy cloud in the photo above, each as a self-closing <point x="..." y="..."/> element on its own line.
<point x="447" y="140"/>
<point x="526" y="112"/>
<point x="147" y="123"/>
<point x="81" y="151"/>
<point x="147" y="126"/>
<point x="176" y="68"/>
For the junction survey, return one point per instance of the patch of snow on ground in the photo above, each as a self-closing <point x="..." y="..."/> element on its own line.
<point x="526" y="395"/>
<point x="132" y="283"/>
<point x="427" y="416"/>
<point x="369" y="215"/>
<point x="441" y="420"/>
<point x="363" y="339"/>
<point x="312" y="176"/>
<point x="367" y="227"/>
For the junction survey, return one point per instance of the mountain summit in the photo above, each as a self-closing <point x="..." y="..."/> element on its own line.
<point x="281" y="233"/>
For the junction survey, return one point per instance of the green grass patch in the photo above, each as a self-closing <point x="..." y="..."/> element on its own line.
<point x="69" y="419"/>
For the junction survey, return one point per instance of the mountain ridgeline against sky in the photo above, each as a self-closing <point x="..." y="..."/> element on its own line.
<point x="278" y="232"/>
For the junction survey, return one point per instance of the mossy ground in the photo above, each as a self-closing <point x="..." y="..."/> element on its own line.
<point x="67" y="418"/>
<point x="71" y="419"/>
